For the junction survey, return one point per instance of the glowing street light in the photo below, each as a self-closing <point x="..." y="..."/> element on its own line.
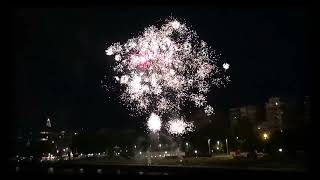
<point x="265" y="136"/>
<point x="280" y="149"/>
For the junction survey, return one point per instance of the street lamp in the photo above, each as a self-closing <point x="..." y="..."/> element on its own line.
<point x="187" y="146"/>
<point x="227" y="145"/>
<point x="209" y="146"/>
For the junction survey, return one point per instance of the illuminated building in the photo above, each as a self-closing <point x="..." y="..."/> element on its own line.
<point x="48" y="124"/>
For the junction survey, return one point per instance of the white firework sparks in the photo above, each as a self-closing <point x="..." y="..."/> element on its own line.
<point x="208" y="110"/>
<point x="154" y="123"/>
<point x="226" y="66"/>
<point x="164" y="68"/>
<point x="179" y="126"/>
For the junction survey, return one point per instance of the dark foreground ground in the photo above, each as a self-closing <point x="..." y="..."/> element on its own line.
<point x="188" y="166"/>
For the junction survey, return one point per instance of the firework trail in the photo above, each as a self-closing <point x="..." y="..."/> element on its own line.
<point x="163" y="69"/>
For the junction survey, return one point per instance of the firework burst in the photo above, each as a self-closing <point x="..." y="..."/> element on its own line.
<point x="154" y="123"/>
<point x="179" y="126"/>
<point x="162" y="69"/>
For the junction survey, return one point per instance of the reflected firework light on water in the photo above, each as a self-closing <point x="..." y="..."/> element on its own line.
<point x="163" y="69"/>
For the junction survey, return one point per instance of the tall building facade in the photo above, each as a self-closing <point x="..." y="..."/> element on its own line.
<point x="234" y="116"/>
<point x="274" y="109"/>
<point x="250" y="113"/>
<point x="254" y="114"/>
<point x="307" y="109"/>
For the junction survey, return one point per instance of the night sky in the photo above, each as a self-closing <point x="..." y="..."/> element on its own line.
<point x="60" y="58"/>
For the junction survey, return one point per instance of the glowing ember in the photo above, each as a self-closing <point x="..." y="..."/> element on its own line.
<point x="226" y="66"/>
